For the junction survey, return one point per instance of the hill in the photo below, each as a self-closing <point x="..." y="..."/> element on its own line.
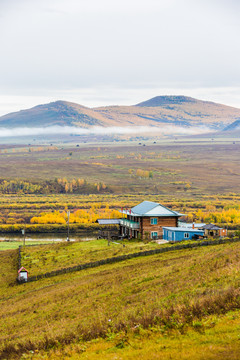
<point x="162" y="110"/>
<point x="61" y="113"/>
<point x="173" y="110"/>
<point x="168" y="100"/>
<point x="144" y="307"/>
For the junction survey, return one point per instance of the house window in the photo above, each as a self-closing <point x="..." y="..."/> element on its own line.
<point x="186" y="235"/>
<point x="154" y="235"/>
<point x="153" y="221"/>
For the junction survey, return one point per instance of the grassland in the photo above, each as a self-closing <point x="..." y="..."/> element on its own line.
<point x="185" y="301"/>
<point x="41" y="259"/>
<point x="51" y="257"/>
<point x="174" y="166"/>
<point x="10" y="245"/>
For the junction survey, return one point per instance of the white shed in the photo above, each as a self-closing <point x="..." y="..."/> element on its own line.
<point x="22" y="275"/>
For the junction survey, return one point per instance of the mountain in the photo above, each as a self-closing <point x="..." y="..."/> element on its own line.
<point x="234" y="126"/>
<point x="62" y="113"/>
<point x="161" y="110"/>
<point x="167" y="100"/>
<point x="173" y="110"/>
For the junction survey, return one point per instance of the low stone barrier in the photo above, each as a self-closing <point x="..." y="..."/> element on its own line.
<point x="129" y="256"/>
<point x="19" y="257"/>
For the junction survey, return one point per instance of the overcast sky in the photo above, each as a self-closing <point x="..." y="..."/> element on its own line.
<point x="102" y="52"/>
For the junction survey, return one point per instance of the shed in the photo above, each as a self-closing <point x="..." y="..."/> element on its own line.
<point x="108" y="221"/>
<point x="110" y="228"/>
<point x="214" y="230"/>
<point x="181" y="233"/>
<point x="22" y="275"/>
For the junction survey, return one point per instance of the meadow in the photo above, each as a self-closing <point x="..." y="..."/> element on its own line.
<point x="41" y="259"/>
<point x="179" y="305"/>
<point x="177" y="302"/>
<point x="189" y="168"/>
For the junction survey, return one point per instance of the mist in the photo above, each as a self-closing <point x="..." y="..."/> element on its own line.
<point x="97" y="130"/>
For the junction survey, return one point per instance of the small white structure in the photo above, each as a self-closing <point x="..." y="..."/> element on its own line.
<point x="22" y="275"/>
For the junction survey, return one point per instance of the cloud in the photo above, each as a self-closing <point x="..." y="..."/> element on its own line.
<point x="97" y="130"/>
<point x="83" y="43"/>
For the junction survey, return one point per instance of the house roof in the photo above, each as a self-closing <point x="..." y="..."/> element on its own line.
<point x="22" y="269"/>
<point x="183" y="229"/>
<point x="210" y="227"/>
<point x="190" y="225"/>
<point x="108" y="221"/>
<point x="150" y="208"/>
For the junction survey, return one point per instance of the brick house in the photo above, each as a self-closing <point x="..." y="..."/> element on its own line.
<point x="146" y="220"/>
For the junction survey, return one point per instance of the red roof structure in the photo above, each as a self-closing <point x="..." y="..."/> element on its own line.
<point x="22" y="269"/>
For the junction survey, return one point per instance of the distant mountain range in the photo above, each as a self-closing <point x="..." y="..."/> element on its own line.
<point x="161" y="110"/>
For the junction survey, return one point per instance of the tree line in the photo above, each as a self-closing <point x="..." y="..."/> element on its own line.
<point x="56" y="186"/>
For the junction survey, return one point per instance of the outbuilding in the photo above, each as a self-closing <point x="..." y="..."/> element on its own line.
<point x="214" y="230"/>
<point x="181" y="233"/>
<point x="22" y="275"/>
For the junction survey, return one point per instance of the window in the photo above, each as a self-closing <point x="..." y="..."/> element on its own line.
<point x="153" y="221"/>
<point x="154" y="235"/>
<point x="186" y="235"/>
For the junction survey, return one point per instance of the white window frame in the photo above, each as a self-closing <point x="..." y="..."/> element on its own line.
<point x="152" y="221"/>
<point x="155" y="234"/>
<point x="186" y="235"/>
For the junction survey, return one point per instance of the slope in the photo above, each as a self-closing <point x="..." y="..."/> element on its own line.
<point x="61" y="113"/>
<point x="179" y="291"/>
<point x="173" y="110"/>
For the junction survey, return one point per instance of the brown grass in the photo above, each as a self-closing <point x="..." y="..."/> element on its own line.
<point x="177" y="290"/>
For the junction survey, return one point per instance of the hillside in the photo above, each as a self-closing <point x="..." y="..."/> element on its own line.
<point x="144" y="307"/>
<point x="162" y="110"/>
<point x="173" y="110"/>
<point x="234" y="126"/>
<point x="61" y="113"/>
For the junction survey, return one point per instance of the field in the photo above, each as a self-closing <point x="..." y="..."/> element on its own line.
<point x="183" y="304"/>
<point x="189" y="168"/>
<point x="4" y="245"/>
<point x="51" y="257"/>
<point x="184" y="301"/>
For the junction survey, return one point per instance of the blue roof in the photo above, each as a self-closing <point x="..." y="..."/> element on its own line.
<point x="182" y="229"/>
<point x="144" y="207"/>
<point x="150" y="208"/>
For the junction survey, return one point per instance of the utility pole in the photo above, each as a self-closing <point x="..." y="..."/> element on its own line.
<point x="68" y="218"/>
<point x="24" y="234"/>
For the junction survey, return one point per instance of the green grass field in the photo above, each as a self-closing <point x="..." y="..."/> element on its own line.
<point x="4" y="245"/>
<point x="183" y="302"/>
<point x="41" y="259"/>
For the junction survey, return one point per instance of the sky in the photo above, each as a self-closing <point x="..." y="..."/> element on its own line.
<point x="108" y="52"/>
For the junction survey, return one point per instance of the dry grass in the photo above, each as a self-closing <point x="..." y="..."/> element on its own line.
<point x="177" y="290"/>
<point x="173" y="167"/>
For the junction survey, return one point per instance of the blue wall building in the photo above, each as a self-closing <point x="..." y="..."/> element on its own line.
<point x="181" y="233"/>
